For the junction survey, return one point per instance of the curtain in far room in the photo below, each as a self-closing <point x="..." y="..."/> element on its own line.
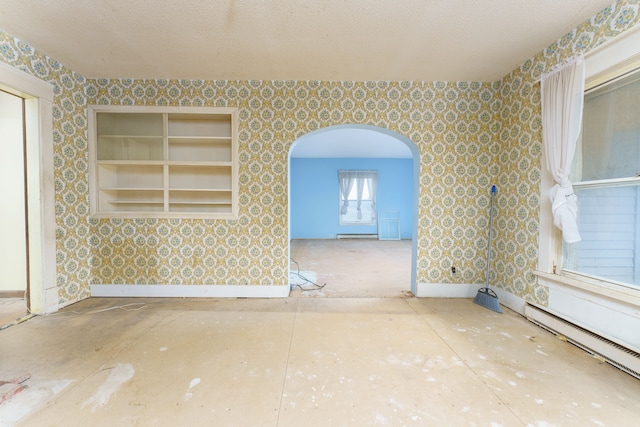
<point x="358" y="196"/>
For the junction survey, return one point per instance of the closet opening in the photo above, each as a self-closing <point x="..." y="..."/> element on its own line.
<point x="14" y="256"/>
<point x="27" y="103"/>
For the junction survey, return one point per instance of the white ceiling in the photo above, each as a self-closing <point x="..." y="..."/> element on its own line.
<point x="420" y="40"/>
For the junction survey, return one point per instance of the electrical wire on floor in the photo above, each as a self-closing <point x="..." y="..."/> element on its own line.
<point x="17" y="321"/>
<point x="315" y="286"/>
<point x="21" y="319"/>
<point x="118" y="307"/>
<point x="31" y="315"/>
<point x="77" y="313"/>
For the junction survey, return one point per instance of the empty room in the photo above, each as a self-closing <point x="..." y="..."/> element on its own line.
<point x="320" y="213"/>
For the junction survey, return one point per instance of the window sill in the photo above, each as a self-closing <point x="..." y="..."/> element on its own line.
<point x="594" y="286"/>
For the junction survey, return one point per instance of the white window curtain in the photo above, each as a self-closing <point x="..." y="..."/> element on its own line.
<point x="372" y="182"/>
<point x="360" y="178"/>
<point x="360" y="189"/>
<point x="562" y="93"/>
<point x="346" y="178"/>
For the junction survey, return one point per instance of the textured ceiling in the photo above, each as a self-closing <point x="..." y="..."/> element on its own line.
<point x="421" y="40"/>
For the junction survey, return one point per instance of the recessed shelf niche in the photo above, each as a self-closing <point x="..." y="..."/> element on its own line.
<point x="163" y="162"/>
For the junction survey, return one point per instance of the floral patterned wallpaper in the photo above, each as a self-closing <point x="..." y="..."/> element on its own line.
<point x="469" y="136"/>
<point x="448" y="122"/>
<point x="521" y="148"/>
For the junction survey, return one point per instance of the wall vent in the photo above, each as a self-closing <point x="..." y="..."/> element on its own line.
<point x="613" y="353"/>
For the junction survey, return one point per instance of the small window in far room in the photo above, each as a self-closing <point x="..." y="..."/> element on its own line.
<point x="357" y="197"/>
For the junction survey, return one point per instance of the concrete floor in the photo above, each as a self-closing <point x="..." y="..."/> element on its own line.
<point x="304" y="361"/>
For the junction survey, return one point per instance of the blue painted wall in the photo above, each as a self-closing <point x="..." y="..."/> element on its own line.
<point x="315" y="195"/>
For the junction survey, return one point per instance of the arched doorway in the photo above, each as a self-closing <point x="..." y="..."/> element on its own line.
<point x="362" y="145"/>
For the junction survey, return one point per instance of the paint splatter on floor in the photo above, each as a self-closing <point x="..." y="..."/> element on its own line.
<point x="188" y="395"/>
<point x="32" y="398"/>
<point x="118" y="375"/>
<point x="541" y="352"/>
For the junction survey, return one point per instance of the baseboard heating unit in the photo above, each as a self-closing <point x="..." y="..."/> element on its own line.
<point x="602" y="348"/>
<point x="356" y="236"/>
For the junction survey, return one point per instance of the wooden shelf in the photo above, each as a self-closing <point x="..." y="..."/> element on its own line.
<point x="199" y="139"/>
<point x="140" y="137"/>
<point x="136" y="163"/>
<point x="155" y="161"/>
<point x="216" y="164"/>
<point x="130" y="189"/>
<point x="200" y="203"/>
<point x="203" y="190"/>
<point x="134" y="202"/>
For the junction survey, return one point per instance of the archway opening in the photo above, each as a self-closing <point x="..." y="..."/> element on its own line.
<point x="333" y="257"/>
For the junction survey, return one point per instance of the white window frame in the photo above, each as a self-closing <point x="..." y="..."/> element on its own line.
<point x="353" y="202"/>
<point x="613" y="58"/>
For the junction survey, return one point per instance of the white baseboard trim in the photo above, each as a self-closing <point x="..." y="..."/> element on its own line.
<point x="446" y="290"/>
<point x="190" y="291"/>
<point x="455" y="290"/>
<point x="510" y="300"/>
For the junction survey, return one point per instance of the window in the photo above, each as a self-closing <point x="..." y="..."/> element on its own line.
<point x="606" y="179"/>
<point x="357" y="197"/>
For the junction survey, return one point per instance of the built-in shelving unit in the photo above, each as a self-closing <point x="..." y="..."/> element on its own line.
<point x="163" y="162"/>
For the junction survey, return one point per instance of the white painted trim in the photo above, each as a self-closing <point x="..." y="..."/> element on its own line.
<point x="160" y="109"/>
<point x="617" y="56"/>
<point x="603" y="311"/>
<point x="446" y="290"/>
<point x="510" y="300"/>
<point x="598" y="288"/>
<point x="41" y="219"/>
<point x="190" y="291"/>
<point x="24" y="84"/>
<point x="229" y="113"/>
<point x="619" y="355"/>
<point x="463" y="290"/>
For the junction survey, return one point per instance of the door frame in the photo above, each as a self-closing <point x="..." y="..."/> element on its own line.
<point x="38" y="101"/>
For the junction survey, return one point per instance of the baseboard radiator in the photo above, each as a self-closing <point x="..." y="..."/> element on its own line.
<point x="356" y="236"/>
<point x="602" y="348"/>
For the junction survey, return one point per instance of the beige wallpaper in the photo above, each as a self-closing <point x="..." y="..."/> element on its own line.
<point x="469" y="135"/>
